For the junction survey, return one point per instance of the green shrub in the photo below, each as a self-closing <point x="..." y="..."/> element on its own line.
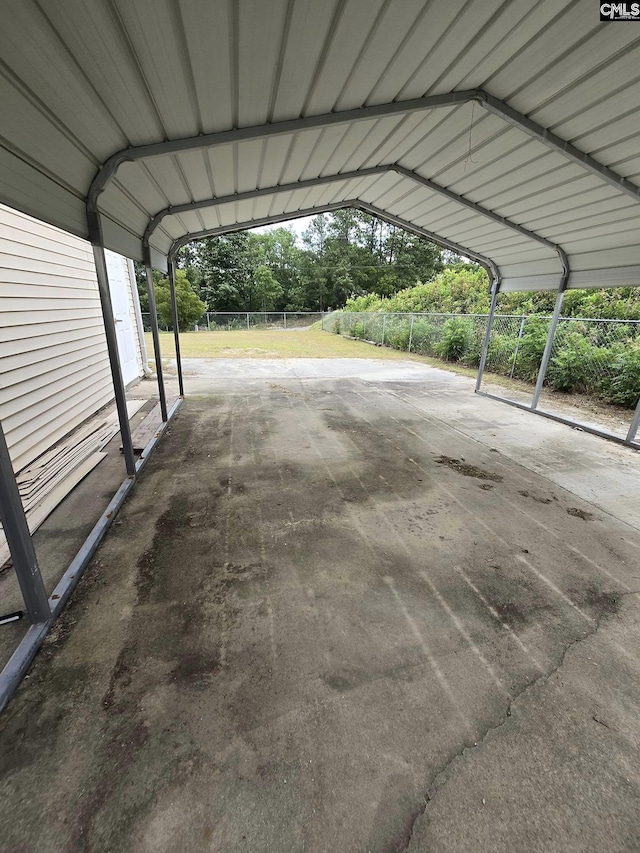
<point x="473" y="352"/>
<point x="398" y="336"/>
<point x="336" y="325"/>
<point x="531" y="348"/>
<point x="424" y="337"/>
<point x="623" y="387"/>
<point x="357" y="329"/>
<point x="501" y="352"/>
<point x="573" y="364"/>
<point x="457" y="337"/>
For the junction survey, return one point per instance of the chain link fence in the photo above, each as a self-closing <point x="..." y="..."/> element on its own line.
<point x="452" y="337"/>
<point x="238" y="320"/>
<point x="590" y="356"/>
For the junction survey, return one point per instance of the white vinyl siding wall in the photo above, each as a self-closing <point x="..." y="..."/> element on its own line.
<point x="54" y="370"/>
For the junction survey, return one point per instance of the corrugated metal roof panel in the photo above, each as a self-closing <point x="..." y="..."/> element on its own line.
<point x="84" y="79"/>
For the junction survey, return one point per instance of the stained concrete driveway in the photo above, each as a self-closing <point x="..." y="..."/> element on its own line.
<point x="345" y="615"/>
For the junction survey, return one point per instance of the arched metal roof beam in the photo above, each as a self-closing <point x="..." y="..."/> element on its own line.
<point x="348" y="176"/>
<point x="489" y="265"/>
<point x="489" y="102"/>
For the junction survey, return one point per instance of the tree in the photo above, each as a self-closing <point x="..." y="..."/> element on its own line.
<point x="344" y="254"/>
<point x="190" y="306"/>
<point x="266" y="288"/>
<point x="226" y="266"/>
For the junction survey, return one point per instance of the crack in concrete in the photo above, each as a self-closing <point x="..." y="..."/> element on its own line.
<point x="438" y="782"/>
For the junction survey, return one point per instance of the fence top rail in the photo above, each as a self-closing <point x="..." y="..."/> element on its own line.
<point x="483" y="316"/>
<point x="262" y="313"/>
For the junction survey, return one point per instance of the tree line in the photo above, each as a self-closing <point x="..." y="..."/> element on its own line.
<point x="339" y="256"/>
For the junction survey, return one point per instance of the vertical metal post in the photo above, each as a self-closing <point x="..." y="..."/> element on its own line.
<point x="495" y="286"/>
<point x="546" y="356"/>
<point x="208" y="322"/>
<point x="16" y="530"/>
<point x="153" y="317"/>
<point x="247" y="321"/>
<point x="171" y="270"/>
<point x="384" y="327"/>
<point x="364" y="325"/>
<point x="410" y="334"/>
<point x="515" y="355"/>
<point x="284" y="316"/>
<point x="114" y="357"/>
<point x="635" y="423"/>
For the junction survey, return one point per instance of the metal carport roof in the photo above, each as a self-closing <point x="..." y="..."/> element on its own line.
<point x="509" y="128"/>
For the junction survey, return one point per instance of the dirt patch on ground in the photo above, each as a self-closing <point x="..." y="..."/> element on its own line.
<point x="467" y="470"/>
<point x="580" y="513"/>
<point x="537" y="498"/>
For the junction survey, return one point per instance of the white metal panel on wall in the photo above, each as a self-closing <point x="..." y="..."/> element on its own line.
<point x="54" y="370"/>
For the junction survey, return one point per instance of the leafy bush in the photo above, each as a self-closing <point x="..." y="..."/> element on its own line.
<point x="571" y="368"/>
<point x="457" y="337"/>
<point x="624" y="386"/>
<point x="473" y="352"/>
<point x="357" y="330"/>
<point x="398" y="335"/>
<point x="531" y="349"/>
<point x="501" y="352"/>
<point x="425" y="336"/>
<point x="336" y="325"/>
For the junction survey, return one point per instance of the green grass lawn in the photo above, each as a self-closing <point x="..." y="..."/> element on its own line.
<point x="313" y="343"/>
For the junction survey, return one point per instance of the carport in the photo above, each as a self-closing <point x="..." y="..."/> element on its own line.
<point x="506" y="132"/>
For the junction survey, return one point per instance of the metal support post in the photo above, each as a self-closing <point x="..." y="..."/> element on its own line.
<point x="284" y="316"/>
<point x="16" y="530"/>
<point x="515" y="355"/>
<point x="546" y="356"/>
<point x="495" y="285"/>
<point x="153" y="317"/>
<point x="635" y="423"/>
<point x="410" y="334"/>
<point x="384" y="327"/>
<point x="247" y="321"/>
<point x="114" y="357"/>
<point x="171" y="269"/>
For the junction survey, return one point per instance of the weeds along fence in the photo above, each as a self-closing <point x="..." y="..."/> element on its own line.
<point x="238" y="320"/>
<point x="597" y="357"/>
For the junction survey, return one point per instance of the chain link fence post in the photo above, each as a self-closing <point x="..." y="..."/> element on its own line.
<point x="384" y="327"/>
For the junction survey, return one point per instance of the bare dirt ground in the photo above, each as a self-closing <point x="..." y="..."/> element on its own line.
<point x="328" y="618"/>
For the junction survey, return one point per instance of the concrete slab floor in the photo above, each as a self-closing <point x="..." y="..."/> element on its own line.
<point x="345" y="614"/>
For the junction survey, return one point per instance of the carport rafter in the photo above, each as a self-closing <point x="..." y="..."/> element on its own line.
<point x="489" y="102"/>
<point x="489" y="265"/>
<point x="348" y="176"/>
